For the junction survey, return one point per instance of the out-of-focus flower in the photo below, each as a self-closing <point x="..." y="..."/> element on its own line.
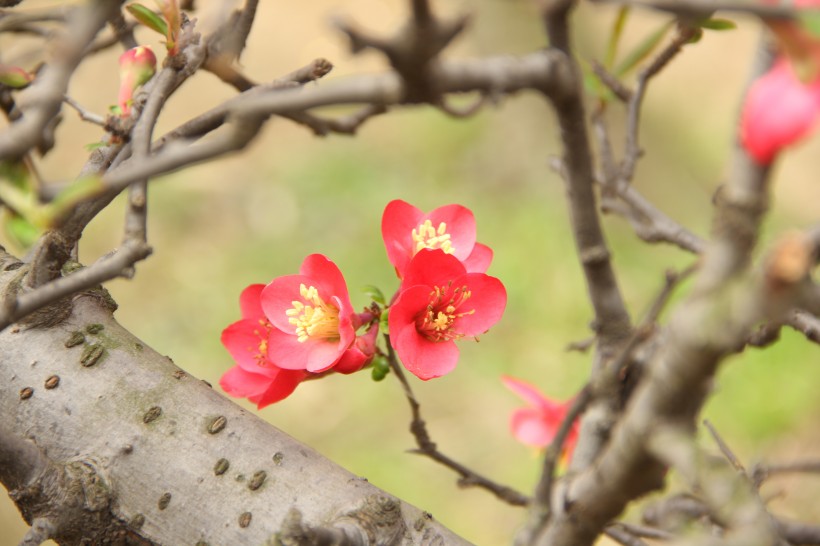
<point x="439" y="302"/>
<point x="537" y="424"/>
<point x="255" y="377"/>
<point x="783" y="105"/>
<point x="779" y="110"/>
<point x="406" y="230"/>
<point x="311" y="315"/>
<point x="137" y="66"/>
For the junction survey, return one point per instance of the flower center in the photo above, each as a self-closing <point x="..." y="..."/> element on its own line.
<point x="436" y="322"/>
<point x="262" y="332"/>
<point x="426" y="236"/>
<point x="317" y="320"/>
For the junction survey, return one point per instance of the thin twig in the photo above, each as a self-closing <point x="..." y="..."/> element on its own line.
<point x="428" y="448"/>
<point x="643" y="531"/>
<point x="624" y="537"/>
<point x="543" y="491"/>
<point x="725" y="449"/>
<point x="633" y="152"/>
<point x="85" y="115"/>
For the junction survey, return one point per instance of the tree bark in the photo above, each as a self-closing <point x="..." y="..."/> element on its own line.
<point x="102" y="439"/>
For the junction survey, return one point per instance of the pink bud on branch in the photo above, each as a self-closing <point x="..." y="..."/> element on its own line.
<point x="137" y="66"/>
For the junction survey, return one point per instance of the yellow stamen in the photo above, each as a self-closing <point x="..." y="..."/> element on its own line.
<point x="436" y="324"/>
<point x="426" y="236"/>
<point x="319" y="320"/>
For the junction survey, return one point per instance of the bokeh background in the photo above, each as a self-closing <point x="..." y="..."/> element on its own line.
<point x="218" y="227"/>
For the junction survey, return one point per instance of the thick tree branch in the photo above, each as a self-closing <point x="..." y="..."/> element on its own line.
<point x="242" y="474"/>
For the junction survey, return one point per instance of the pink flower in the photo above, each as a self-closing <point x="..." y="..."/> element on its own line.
<point x="440" y="302"/>
<point x="311" y="315"/>
<point x="255" y="377"/>
<point x="783" y="105"/>
<point x="538" y="424"/>
<point x="451" y="228"/>
<point x="779" y="110"/>
<point x="137" y="66"/>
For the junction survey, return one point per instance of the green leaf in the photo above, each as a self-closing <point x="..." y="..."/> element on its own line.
<point x="593" y="85"/>
<point x="374" y="294"/>
<point x="642" y="50"/>
<point x="79" y="190"/>
<point x="381" y="367"/>
<point x="148" y="18"/>
<point x="91" y="146"/>
<point x="809" y="21"/>
<point x="21" y="231"/>
<point x="718" y="24"/>
<point x="615" y="37"/>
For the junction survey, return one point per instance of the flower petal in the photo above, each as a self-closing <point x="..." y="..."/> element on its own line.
<point x="479" y="259"/>
<point x="398" y="222"/>
<point x="432" y="268"/>
<point x="529" y="427"/>
<point x="461" y="227"/>
<point x="282" y="387"/>
<point x="326" y="277"/>
<point x="240" y="383"/>
<point x="311" y="355"/>
<point x="242" y="340"/>
<point x="488" y="298"/>
<point x="249" y="302"/>
<point x="779" y="110"/>
<point x="278" y="297"/>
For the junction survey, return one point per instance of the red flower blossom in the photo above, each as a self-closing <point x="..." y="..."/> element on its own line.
<point x="311" y="316"/>
<point x="451" y="228"/>
<point x="779" y="110"/>
<point x="438" y="303"/>
<point x="783" y="105"/>
<point x="255" y="377"/>
<point x="538" y="424"/>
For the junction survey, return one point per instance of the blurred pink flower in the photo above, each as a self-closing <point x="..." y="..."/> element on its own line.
<point x="451" y="228"/>
<point x="538" y="424"/>
<point x="779" y="110"/>
<point x="783" y="105"/>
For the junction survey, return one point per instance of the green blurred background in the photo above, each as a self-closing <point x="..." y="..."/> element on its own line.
<point x="218" y="227"/>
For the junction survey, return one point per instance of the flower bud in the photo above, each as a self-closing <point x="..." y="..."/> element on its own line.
<point x="14" y="77"/>
<point x="137" y="66"/>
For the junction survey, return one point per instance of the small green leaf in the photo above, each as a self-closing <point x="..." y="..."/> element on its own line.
<point x="374" y="294"/>
<point x="381" y="367"/>
<point x="718" y="24"/>
<point x="809" y="21"/>
<point x="91" y="146"/>
<point x="148" y="18"/>
<point x="21" y="231"/>
<point x="642" y="50"/>
<point x="615" y="37"/>
<point x="593" y="84"/>
<point x="79" y="190"/>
